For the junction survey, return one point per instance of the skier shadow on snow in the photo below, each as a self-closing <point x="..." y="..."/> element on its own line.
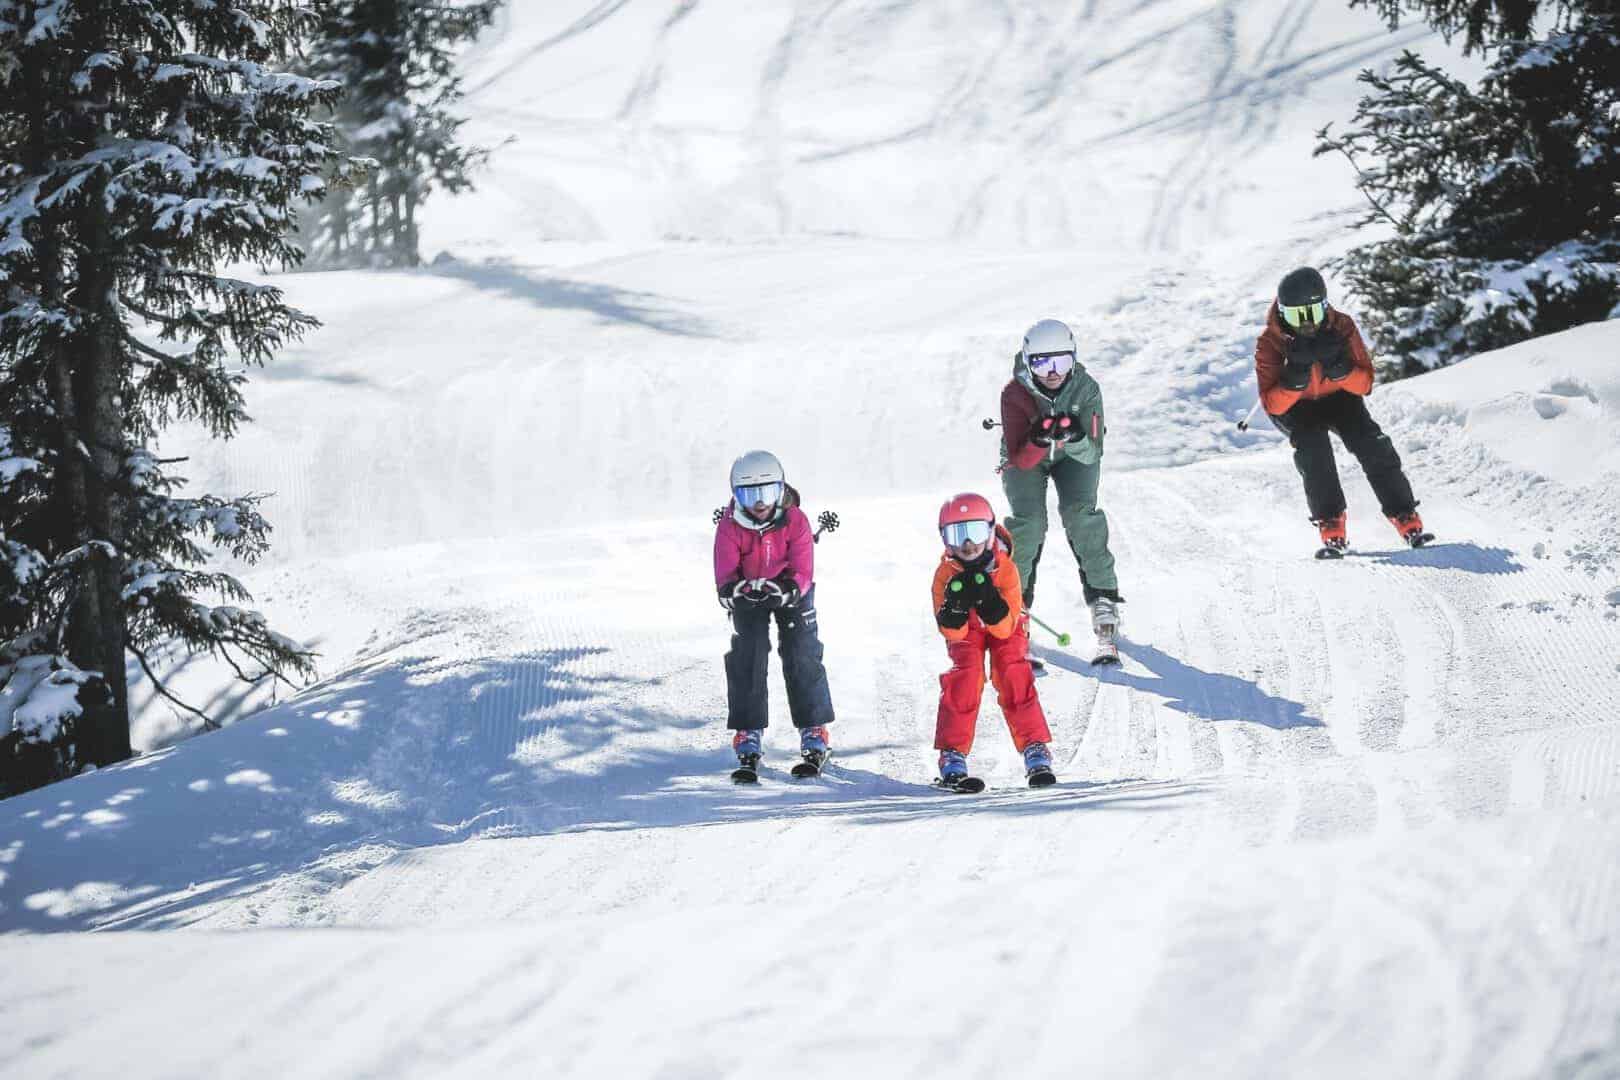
<point x="1446" y="555"/>
<point x="607" y="303"/>
<point x="1206" y="695"/>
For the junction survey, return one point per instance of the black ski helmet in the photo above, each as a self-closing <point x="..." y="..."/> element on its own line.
<point x="1301" y="287"/>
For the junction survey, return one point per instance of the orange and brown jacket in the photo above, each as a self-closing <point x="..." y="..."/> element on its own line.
<point x="1272" y="349"/>
<point x="1003" y="575"/>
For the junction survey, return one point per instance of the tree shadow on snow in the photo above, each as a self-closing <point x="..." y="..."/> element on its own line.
<point x="1206" y="695"/>
<point x="402" y="752"/>
<point x="607" y="303"/>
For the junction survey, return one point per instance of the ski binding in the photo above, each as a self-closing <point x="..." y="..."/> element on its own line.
<point x="1042" y="776"/>
<point x="967" y="785"/>
<point x="747" y="770"/>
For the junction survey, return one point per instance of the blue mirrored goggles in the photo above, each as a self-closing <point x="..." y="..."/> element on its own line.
<point x="958" y="533"/>
<point x="751" y="495"/>
<point x="1297" y="315"/>
<point x="1060" y="363"/>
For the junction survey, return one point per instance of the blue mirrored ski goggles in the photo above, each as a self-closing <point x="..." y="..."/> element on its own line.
<point x="1297" y="315"/>
<point x="1047" y="363"/>
<point x="751" y="495"/>
<point x="958" y="533"/>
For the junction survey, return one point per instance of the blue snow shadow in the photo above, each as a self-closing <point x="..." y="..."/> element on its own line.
<point x="1443" y="555"/>
<point x="406" y="751"/>
<point x="1206" y="695"/>
<point x="607" y="303"/>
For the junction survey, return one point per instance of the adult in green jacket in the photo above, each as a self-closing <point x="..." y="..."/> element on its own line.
<point x="1052" y="427"/>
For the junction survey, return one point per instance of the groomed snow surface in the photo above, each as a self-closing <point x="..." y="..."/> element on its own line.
<point x="1327" y="819"/>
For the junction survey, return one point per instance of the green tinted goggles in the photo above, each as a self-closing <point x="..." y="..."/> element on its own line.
<point x="1299" y="314"/>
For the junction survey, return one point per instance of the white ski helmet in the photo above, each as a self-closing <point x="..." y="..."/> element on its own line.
<point x="756" y="467"/>
<point x="1048" y="336"/>
<point x="756" y="478"/>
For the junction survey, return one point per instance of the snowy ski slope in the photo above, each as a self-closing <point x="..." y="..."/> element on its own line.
<point x="1352" y="819"/>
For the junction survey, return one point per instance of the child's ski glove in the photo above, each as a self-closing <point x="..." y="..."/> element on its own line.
<point x="992" y="605"/>
<point x="782" y="591"/>
<point x="732" y="595"/>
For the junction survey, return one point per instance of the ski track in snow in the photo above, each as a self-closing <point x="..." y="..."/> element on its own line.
<point x="1340" y="819"/>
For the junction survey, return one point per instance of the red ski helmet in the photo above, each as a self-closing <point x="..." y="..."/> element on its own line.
<point x="965" y="507"/>
<point x="966" y="518"/>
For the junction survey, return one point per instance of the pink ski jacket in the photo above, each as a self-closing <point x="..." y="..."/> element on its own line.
<point x="741" y="552"/>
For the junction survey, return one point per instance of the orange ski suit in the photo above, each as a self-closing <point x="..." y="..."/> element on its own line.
<point x="1006" y="642"/>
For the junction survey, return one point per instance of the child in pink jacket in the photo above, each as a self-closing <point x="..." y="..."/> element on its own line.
<point x="764" y="569"/>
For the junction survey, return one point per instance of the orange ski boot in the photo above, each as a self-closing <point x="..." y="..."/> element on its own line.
<point x="1334" y="538"/>
<point x="1410" y="526"/>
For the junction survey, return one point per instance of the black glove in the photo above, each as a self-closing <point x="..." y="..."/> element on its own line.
<point x="1296" y="372"/>
<point x="1042" y="431"/>
<point x="1338" y="364"/>
<point x="992" y="605"/>
<point x="1069" y="428"/>
<point x="734" y="595"/>
<point x="782" y="591"/>
<point x="961" y="597"/>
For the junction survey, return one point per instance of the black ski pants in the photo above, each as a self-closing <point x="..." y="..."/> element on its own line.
<point x="1307" y="425"/>
<point x="809" y="699"/>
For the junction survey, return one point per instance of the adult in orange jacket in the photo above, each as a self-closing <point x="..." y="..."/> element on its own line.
<point x="1314" y="375"/>
<point x="979" y="608"/>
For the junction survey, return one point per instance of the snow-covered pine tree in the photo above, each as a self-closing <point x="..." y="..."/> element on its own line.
<point x="143" y="146"/>
<point x="1500" y="200"/>
<point x="396" y="59"/>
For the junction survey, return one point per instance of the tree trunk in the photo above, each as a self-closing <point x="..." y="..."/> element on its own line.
<point x="98" y="623"/>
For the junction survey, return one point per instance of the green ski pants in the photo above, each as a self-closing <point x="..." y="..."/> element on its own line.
<point x="1085" y="525"/>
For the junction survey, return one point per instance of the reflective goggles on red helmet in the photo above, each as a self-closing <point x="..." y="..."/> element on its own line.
<point x="1049" y="363"/>
<point x="1297" y="315"/>
<point x="751" y="495"/>
<point x="957" y="533"/>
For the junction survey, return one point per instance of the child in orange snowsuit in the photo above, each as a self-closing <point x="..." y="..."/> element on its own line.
<point x="979" y="608"/>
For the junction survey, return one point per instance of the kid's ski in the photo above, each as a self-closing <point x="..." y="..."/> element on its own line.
<point x="967" y="785"/>
<point x="747" y="771"/>
<point x="814" y="761"/>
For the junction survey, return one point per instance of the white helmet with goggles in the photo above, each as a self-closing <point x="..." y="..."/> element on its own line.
<point x="1049" y="348"/>
<point x="757" y="484"/>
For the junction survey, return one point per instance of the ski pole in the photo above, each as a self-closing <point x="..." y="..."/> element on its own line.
<point x="1243" y="424"/>
<point x="1062" y="638"/>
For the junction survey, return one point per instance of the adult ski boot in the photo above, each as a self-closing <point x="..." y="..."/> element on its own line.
<point x="1105" y="624"/>
<point x="1335" y="539"/>
<point x="1410" y="526"/>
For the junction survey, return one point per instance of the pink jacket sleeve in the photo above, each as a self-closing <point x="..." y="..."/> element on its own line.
<point x="727" y="553"/>
<point x="801" y="549"/>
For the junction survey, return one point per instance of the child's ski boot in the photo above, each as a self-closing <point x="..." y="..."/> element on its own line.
<point x="1335" y="539"/>
<point x="1105" y="624"/>
<point x="1410" y="526"/>
<point x="1038" y="765"/>
<point x="953" y="773"/>
<point x="746" y="745"/>
<point x="815" y="751"/>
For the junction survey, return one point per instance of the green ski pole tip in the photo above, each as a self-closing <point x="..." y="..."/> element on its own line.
<point x="1063" y="639"/>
